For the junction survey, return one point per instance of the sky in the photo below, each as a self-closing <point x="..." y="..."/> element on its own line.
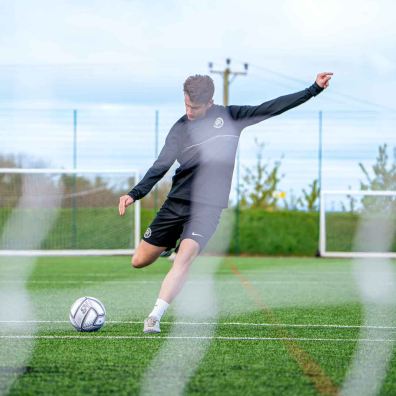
<point x="124" y="59"/>
<point x="136" y="52"/>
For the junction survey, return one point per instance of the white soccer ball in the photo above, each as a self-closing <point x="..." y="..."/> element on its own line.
<point x="87" y="314"/>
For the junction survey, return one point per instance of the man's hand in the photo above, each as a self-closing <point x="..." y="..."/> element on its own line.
<point x="125" y="201"/>
<point x="322" y="79"/>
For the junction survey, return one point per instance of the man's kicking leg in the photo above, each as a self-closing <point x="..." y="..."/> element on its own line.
<point x="145" y="254"/>
<point x="172" y="284"/>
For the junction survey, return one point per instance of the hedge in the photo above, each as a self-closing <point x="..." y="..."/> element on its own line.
<point x="260" y="233"/>
<point x="293" y="233"/>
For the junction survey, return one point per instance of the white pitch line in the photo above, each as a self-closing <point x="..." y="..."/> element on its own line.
<point x="75" y="281"/>
<point x="218" y="281"/>
<point x="222" y="273"/>
<point x="49" y="337"/>
<point x="301" y="325"/>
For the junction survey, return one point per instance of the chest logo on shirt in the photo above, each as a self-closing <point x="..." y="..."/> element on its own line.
<point x="147" y="234"/>
<point x="219" y="122"/>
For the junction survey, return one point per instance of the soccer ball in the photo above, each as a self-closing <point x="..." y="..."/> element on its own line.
<point x="87" y="314"/>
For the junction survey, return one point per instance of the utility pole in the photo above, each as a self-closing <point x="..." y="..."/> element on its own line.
<point x="226" y="74"/>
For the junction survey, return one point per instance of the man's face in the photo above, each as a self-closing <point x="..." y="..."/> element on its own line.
<point x="195" y="110"/>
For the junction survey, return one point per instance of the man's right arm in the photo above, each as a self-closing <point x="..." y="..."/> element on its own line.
<point x="164" y="161"/>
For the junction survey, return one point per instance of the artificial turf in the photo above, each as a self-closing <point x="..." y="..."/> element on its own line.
<point x="269" y="326"/>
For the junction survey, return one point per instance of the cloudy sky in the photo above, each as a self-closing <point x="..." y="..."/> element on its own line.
<point x="126" y="51"/>
<point x="123" y="59"/>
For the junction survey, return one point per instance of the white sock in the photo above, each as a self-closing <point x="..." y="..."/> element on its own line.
<point x="159" y="309"/>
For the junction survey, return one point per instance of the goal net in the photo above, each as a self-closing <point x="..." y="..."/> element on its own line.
<point x="82" y="206"/>
<point x="342" y="217"/>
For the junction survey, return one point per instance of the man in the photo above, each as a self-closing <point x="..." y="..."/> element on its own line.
<point x="204" y="142"/>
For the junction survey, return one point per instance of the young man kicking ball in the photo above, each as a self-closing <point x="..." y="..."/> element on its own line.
<point x="204" y="142"/>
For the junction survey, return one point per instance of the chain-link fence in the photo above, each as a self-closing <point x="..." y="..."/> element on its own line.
<point x="125" y="137"/>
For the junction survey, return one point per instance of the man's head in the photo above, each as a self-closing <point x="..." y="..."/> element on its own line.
<point x="198" y="94"/>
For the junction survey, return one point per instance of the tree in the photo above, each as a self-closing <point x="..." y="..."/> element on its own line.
<point x="383" y="178"/>
<point x="352" y="202"/>
<point x="10" y="184"/>
<point x="163" y="188"/>
<point x="310" y="198"/>
<point x="260" y="183"/>
<point x="292" y="202"/>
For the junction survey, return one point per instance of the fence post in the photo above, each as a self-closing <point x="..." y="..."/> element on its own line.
<point x="320" y="154"/>
<point x="155" y="157"/>
<point x="237" y="214"/>
<point x="320" y="150"/>
<point x="74" y="197"/>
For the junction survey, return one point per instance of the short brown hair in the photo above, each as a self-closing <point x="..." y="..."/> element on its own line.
<point x="200" y="89"/>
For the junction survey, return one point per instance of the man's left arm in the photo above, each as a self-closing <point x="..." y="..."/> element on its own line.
<point x="250" y="115"/>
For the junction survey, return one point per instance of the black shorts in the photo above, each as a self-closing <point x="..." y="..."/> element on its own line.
<point x="179" y="219"/>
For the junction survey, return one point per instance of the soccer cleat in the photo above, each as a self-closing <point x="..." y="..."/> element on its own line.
<point x="166" y="253"/>
<point x="172" y="255"/>
<point x="151" y="325"/>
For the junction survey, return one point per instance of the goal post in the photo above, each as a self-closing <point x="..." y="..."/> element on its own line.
<point x="341" y="213"/>
<point x="81" y="206"/>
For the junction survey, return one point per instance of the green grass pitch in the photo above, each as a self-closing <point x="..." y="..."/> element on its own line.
<point x="285" y="326"/>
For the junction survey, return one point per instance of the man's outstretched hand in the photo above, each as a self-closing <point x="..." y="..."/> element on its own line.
<point x="322" y="79"/>
<point x="125" y="201"/>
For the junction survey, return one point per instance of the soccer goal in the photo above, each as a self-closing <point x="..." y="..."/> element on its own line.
<point x="67" y="212"/>
<point x="344" y="215"/>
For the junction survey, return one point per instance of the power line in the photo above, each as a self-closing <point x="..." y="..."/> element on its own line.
<point x="332" y="92"/>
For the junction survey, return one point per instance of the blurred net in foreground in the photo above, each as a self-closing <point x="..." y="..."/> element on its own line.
<point x="341" y="212"/>
<point x="30" y="219"/>
<point x="87" y="219"/>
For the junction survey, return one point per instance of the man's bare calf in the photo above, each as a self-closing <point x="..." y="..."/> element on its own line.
<point x="146" y="254"/>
